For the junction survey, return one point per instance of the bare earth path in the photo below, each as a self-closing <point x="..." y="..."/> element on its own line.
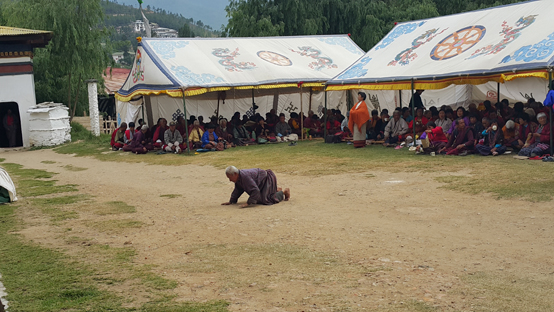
<point x="343" y="242"/>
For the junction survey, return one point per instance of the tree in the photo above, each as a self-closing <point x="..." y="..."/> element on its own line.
<point x="185" y="32"/>
<point x="78" y="50"/>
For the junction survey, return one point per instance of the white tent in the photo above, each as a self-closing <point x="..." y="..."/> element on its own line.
<point x="7" y="184"/>
<point x="476" y="48"/>
<point x="273" y="72"/>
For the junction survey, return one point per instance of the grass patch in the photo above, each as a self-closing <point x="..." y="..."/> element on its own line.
<point x="57" y="214"/>
<point x="73" y="168"/>
<point x="31" y="182"/>
<point x="48" y="162"/>
<point x="112" y="208"/>
<point x="2" y="159"/>
<point x="154" y="281"/>
<point x="493" y="292"/>
<point x="59" y="201"/>
<point x="171" y="195"/>
<point x="39" y="279"/>
<point x="56" y="208"/>
<point x="32" y="188"/>
<point x="17" y="170"/>
<point x="120" y="255"/>
<point x="114" y="226"/>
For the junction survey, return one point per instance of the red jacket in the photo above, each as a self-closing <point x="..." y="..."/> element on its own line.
<point x="545" y="135"/>
<point x="437" y="135"/>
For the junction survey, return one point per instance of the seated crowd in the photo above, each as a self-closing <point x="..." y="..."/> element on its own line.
<point x="484" y="129"/>
<point x="220" y="134"/>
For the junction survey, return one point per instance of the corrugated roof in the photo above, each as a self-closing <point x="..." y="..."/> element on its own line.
<point x="13" y="31"/>
<point x="116" y="80"/>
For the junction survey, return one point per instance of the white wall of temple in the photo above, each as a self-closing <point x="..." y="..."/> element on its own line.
<point x="19" y="89"/>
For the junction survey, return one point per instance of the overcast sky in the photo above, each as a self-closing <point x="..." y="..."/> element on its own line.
<point x="210" y="12"/>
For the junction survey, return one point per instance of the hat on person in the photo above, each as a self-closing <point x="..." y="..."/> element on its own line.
<point x="510" y="124"/>
<point x="530" y="112"/>
<point x="172" y="123"/>
<point x="144" y="127"/>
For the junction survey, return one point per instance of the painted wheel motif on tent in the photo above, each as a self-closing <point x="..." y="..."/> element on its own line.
<point x="458" y="42"/>
<point x="274" y="58"/>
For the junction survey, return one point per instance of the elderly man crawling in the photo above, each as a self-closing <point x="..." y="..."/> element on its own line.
<point x="259" y="184"/>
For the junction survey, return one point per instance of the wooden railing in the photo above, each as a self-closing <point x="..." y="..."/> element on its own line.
<point x="107" y="126"/>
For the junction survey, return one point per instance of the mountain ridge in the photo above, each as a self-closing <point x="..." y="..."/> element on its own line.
<point x="210" y="12"/>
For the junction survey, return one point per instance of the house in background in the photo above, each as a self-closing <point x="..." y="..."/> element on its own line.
<point x="17" y="91"/>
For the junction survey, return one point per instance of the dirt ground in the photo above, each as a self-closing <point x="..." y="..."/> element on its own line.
<point x="344" y="242"/>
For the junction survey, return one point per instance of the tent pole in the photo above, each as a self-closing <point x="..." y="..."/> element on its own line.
<point x="142" y="109"/>
<point x="310" y="103"/>
<point x="253" y="104"/>
<point x="301" y="117"/>
<point x="413" y="111"/>
<point x="217" y="112"/>
<point x="186" y="120"/>
<point x="325" y="117"/>
<point x="550" y="110"/>
<point x="400" y="97"/>
<point x="498" y="92"/>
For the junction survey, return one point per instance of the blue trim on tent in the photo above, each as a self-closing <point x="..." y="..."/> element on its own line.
<point x="473" y="73"/>
<point x="147" y="87"/>
<point x="160" y="64"/>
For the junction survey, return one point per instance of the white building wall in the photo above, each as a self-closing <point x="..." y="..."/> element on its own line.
<point x="19" y="89"/>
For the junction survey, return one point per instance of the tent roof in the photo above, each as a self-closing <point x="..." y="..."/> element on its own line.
<point x="495" y="44"/>
<point x="165" y="65"/>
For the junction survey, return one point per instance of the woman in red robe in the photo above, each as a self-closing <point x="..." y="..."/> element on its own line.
<point x="357" y="122"/>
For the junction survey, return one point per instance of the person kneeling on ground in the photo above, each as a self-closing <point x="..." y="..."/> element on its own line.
<point x="494" y="141"/>
<point x="118" y="137"/>
<point x="436" y="138"/>
<point x="259" y="184"/>
<point x="396" y="129"/>
<point x="538" y="142"/>
<point x="461" y="141"/>
<point x="173" y="139"/>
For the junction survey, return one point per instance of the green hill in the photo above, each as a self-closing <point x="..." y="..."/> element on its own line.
<point x="120" y="20"/>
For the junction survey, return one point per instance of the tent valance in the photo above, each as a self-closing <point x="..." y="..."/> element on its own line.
<point x="439" y="83"/>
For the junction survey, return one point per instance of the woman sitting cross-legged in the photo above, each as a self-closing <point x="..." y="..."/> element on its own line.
<point x="493" y="143"/>
<point x="461" y="141"/>
<point x="436" y="138"/>
<point x="537" y="142"/>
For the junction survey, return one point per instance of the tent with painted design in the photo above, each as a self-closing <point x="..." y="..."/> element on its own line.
<point x="270" y="71"/>
<point x="499" y="44"/>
